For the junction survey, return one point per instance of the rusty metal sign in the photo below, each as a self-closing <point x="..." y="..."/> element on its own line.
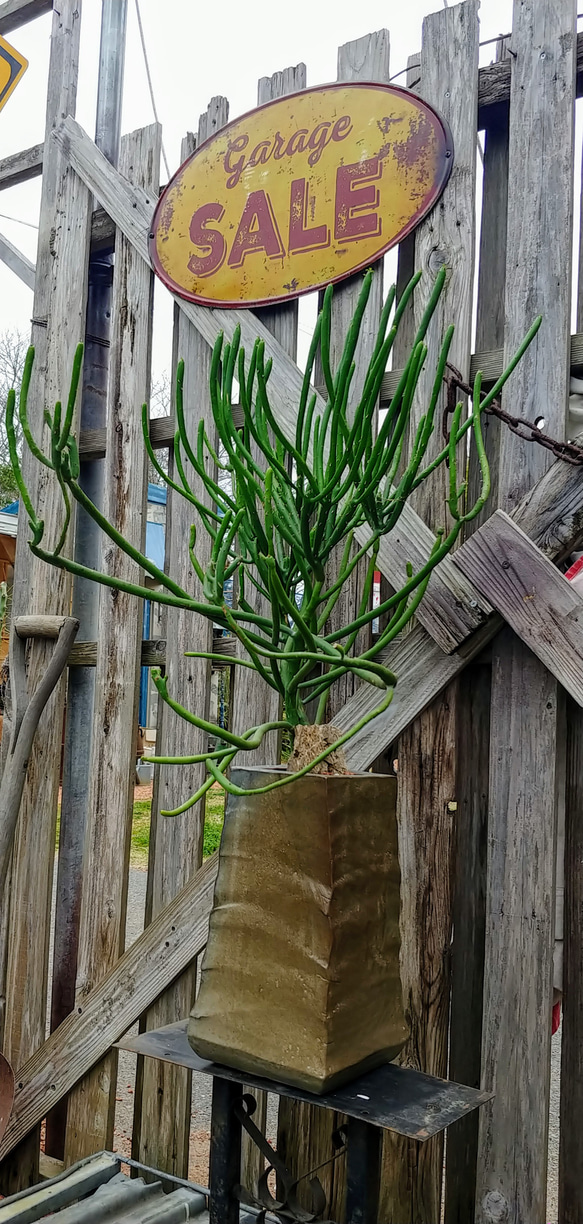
<point x="13" y="65"/>
<point x="300" y="192"/>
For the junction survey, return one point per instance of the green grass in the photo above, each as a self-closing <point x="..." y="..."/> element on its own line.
<point x="213" y="825"/>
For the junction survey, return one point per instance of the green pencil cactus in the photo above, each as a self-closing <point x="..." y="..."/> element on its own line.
<point x="274" y="524"/>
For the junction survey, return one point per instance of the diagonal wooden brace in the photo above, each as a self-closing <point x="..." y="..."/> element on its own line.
<point x="532" y="595"/>
<point x="26" y="712"/>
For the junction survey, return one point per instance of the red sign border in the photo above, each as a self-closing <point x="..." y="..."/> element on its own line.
<point x="257" y="303"/>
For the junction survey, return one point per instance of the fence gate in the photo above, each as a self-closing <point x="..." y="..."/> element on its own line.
<point x="486" y="722"/>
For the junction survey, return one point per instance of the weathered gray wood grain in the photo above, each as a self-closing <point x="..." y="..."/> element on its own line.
<point x="168" y="945"/>
<point x="252" y="700"/>
<point x="19" y="167"/>
<point x="15" y="13"/>
<point x="305" y="1132"/>
<point x="60" y="297"/>
<point x="531" y="594"/>
<point x="571" y="1133"/>
<point x="163" y="1100"/>
<point x="111" y="784"/>
<point x="18" y="263"/>
<point x="474" y="692"/>
<point x="413" y="1178"/>
<point x="521" y="839"/>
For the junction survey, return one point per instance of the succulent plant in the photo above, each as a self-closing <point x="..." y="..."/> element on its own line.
<point x="275" y="523"/>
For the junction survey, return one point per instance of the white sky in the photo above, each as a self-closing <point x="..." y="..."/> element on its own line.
<point x="195" y="51"/>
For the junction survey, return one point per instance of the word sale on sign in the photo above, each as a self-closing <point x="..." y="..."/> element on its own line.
<point x="298" y="193"/>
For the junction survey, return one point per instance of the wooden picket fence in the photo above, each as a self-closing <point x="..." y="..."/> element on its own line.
<point x="490" y="761"/>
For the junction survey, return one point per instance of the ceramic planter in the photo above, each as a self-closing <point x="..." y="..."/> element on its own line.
<point x="300" y="978"/>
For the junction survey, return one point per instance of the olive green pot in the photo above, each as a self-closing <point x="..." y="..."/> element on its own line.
<point x="300" y="978"/>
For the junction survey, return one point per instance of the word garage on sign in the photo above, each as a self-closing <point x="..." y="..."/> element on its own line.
<point x="300" y="192"/>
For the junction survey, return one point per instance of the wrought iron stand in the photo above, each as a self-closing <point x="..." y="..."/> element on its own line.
<point x="390" y="1098"/>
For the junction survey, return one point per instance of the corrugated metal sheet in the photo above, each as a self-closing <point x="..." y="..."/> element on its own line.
<point x="96" y="1190"/>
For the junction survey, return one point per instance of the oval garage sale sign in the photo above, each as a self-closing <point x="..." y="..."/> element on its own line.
<point x="300" y="192"/>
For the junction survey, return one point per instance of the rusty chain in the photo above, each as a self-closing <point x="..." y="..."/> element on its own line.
<point x="569" y="452"/>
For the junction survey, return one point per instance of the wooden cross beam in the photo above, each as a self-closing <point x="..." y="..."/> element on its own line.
<point x="551" y="520"/>
<point x="532" y="595"/>
<point x="17" y="262"/>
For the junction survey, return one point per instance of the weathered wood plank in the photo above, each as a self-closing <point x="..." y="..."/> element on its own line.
<point x="17" y="262"/>
<point x="252" y="700"/>
<point x="153" y="652"/>
<point x="452" y="608"/>
<point x="472" y="780"/>
<point x="168" y="945"/>
<point x="519" y="944"/>
<point x="491" y="279"/>
<point x="469" y="907"/>
<point x="571" y="1140"/>
<point x="531" y="594"/>
<point x="520" y="918"/>
<point x="489" y="361"/>
<point x="19" y="167"/>
<point x="132" y="211"/>
<point x="60" y="296"/>
<point x="413" y="1177"/>
<point x="106" y="859"/>
<point x="162" y="1115"/>
<point x="306" y="1131"/>
<point x="15" y="13"/>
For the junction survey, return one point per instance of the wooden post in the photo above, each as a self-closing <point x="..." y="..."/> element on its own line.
<point x="252" y="700"/>
<point x="106" y="861"/>
<point x="512" y="1159"/>
<point x="571" y="1141"/>
<point x="469" y="886"/>
<point x="163" y="1097"/>
<point x="412" y="1174"/>
<point x="88" y="541"/>
<point x="58" y="325"/>
<point x="570" y="1150"/>
<point x="305" y="1132"/>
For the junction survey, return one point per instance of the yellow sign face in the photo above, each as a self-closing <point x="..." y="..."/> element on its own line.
<point x="12" y="67"/>
<point x="300" y="192"/>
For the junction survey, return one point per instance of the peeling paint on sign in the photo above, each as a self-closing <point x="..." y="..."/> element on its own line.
<point x="300" y="192"/>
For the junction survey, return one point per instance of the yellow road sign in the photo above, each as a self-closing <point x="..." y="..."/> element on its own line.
<point x="13" y="65"/>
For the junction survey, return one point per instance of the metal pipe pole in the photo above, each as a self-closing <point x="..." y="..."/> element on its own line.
<point x="81" y="683"/>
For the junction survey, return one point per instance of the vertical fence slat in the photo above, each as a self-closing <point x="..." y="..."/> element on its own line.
<point x="58" y="318"/>
<point x="253" y="701"/>
<point x="305" y="1132"/>
<point x="163" y="1098"/>
<point x="571" y="1134"/>
<point x="491" y="277"/>
<point x="512" y="1162"/>
<point x="412" y="1174"/>
<point x="111" y="785"/>
<point x="474" y="696"/>
<point x="571" y="1131"/>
